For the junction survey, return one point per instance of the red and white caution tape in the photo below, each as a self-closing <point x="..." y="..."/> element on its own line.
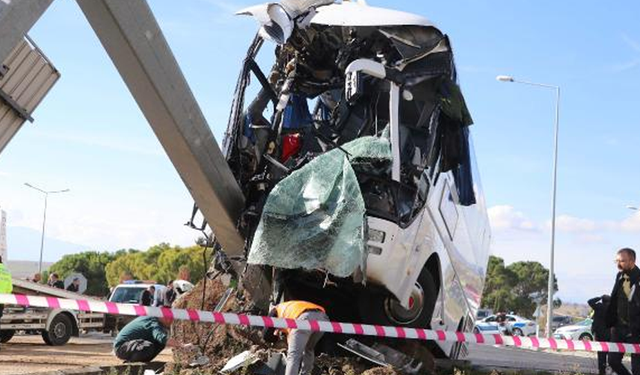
<point x="314" y="325"/>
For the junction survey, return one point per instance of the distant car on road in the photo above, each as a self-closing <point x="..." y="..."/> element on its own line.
<point x="518" y="325"/>
<point x="560" y="321"/>
<point x="578" y="331"/>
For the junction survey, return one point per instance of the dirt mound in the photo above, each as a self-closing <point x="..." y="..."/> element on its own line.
<point x="218" y="342"/>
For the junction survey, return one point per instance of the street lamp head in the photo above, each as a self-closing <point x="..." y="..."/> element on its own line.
<point x="633" y="208"/>
<point x="505" y="78"/>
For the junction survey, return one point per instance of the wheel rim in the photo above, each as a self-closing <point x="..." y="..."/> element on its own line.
<point x="518" y="332"/>
<point x="398" y="314"/>
<point x="60" y="330"/>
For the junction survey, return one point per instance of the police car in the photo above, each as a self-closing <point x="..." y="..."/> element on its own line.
<point x="517" y="325"/>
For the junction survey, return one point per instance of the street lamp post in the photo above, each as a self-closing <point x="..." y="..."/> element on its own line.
<point x="44" y="216"/>
<point x="553" y="192"/>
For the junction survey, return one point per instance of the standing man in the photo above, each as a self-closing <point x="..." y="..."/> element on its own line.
<point x="6" y="286"/>
<point x="623" y="315"/>
<point x="301" y="344"/>
<point x="142" y="339"/>
<point x="168" y="295"/>
<point x="146" y="299"/>
<point x="600" y="305"/>
<point x="55" y="282"/>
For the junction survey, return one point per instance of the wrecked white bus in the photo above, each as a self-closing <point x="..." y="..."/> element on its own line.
<point x="354" y="155"/>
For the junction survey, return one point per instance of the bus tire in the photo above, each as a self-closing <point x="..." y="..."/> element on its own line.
<point x="59" y="332"/>
<point x="384" y="309"/>
<point x="6" y="335"/>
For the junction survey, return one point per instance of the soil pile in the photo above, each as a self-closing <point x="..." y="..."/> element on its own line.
<point x="218" y="342"/>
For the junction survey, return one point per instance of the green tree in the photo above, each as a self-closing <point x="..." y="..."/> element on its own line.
<point x="532" y="279"/>
<point x="513" y="287"/>
<point x="91" y="264"/>
<point x="159" y="263"/>
<point x="497" y="288"/>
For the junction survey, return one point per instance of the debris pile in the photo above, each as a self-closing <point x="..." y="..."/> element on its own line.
<point x="226" y="345"/>
<point x="217" y="342"/>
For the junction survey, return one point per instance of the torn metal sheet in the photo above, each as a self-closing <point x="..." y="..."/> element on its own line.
<point x="383" y="355"/>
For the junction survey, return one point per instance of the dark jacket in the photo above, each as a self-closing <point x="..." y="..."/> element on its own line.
<point x="73" y="288"/>
<point x="146" y="299"/>
<point x="168" y="296"/>
<point x="634" y="302"/>
<point x="57" y="284"/>
<point x="142" y="328"/>
<point x="599" y="325"/>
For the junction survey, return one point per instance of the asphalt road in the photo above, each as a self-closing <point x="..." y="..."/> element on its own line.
<point x="524" y="359"/>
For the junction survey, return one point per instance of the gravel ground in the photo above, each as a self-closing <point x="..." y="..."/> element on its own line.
<point x="30" y="355"/>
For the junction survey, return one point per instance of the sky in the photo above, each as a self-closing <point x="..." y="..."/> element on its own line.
<point x="90" y="137"/>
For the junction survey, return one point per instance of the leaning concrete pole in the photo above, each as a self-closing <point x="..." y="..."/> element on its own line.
<point x="132" y="38"/>
<point x="16" y="19"/>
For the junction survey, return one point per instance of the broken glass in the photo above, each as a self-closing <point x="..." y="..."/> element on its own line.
<point x="315" y="217"/>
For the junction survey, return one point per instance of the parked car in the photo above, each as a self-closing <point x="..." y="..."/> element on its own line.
<point x="128" y="293"/>
<point x="518" y="325"/>
<point x="560" y="321"/>
<point x="578" y="331"/>
<point x="131" y="292"/>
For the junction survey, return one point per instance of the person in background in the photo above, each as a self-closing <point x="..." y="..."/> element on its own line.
<point x="37" y="278"/>
<point x="6" y="285"/>
<point x="168" y="295"/>
<point x="599" y="327"/>
<point x="55" y="282"/>
<point x="142" y="339"/>
<point x="74" y="286"/>
<point x="301" y="344"/>
<point x="623" y="314"/>
<point x="146" y="299"/>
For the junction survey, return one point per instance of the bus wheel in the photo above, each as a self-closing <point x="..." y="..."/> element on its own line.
<point x="59" y="331"/>
<point x="385" y="309"/>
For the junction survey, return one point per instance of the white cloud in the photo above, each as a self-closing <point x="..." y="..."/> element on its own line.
<point x="572" y="224"/>
<point x="507" y="218"/>
<point x="4" y="174"/>
<point x="632" y="223"/>
<point x="591" y="239"/>
<point x="111" y="232"/>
